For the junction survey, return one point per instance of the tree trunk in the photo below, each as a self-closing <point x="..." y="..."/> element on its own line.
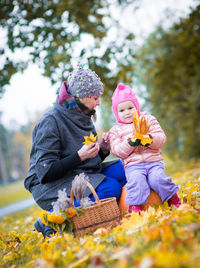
<point x="3" y="171"/>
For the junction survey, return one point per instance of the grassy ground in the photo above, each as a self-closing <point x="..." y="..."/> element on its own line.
<point x="161" y="237"/>
<point x="12" y="193"/>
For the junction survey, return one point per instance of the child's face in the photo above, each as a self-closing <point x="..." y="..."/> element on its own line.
<point x="126" y="111"/>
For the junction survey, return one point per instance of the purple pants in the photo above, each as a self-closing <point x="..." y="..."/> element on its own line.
<point x="141" y="177"/>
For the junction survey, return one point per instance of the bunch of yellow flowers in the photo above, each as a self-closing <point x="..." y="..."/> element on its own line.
<point x="59" y="218"/>
<point x="64" y="208"/>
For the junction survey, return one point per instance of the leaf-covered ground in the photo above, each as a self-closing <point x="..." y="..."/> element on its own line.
<point x="160" y="237"/>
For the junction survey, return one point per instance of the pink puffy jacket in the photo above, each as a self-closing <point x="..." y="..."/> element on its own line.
<point x="120" y="133"/>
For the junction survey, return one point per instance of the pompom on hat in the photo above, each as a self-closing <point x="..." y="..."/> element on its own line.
<point x="121" y="94"/>
<point x="83" y="83"/>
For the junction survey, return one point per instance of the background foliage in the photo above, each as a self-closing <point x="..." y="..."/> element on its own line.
<point x="169" y="65"/>
<point x="15" y="149"/>
<point x="56" y="34"/>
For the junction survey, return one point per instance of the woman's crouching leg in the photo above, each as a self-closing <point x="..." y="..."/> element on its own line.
<point x="110" y="187"/>
<point x="116" y="171"/>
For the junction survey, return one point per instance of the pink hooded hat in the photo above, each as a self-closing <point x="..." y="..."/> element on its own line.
<point x="123" y="93"/>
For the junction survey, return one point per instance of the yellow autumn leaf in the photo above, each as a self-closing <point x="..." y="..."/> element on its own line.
<point x="137" y="136"/>
<point x="100" y="232"/>
<point x="141" y="125"/>
<point x="121" y="238"/>
<point x="153" y="233"/>
<point x="165" y="257"/>
<point x="141" y="128"/>
<point x="136" y="122"/>
<point x="144" y="126"/>
<point x="145" y="139"/>
<point x="167" y="234"/>
<point x="135" y="117"/>
<point x="80" y="262"/>
<point x="90" y="139"/>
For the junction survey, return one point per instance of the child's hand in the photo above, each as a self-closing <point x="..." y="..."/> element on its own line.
<point x="105" y="143"/>
<point x="140" y="140"/>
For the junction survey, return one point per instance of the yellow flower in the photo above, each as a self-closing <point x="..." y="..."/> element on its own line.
<point x="42" y="216"/>
<point x="90" y="139"/>
<point x="70" y="212"/>
<point x="55" y="218"/>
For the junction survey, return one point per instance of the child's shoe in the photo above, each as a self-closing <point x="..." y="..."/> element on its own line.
<point x="136" y="209"/>
<point x="174" y="200"/>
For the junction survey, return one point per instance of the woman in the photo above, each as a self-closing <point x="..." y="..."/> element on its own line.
<point x="58" y="153"/>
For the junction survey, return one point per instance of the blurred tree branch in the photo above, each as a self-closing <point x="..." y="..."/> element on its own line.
<point x="55" y="34"/>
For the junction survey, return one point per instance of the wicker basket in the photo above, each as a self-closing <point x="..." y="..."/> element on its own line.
<point x="103" y="213"/>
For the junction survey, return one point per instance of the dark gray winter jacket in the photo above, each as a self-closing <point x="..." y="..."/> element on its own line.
<point x="58" y="134"/>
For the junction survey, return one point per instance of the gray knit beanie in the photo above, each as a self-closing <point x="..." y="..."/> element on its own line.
<point x="83" y="83"/>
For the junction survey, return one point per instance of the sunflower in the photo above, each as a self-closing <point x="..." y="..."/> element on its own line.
<point x="70" y="212"/>
<point x="42" y="216"/>
<point x="55" y="218"/>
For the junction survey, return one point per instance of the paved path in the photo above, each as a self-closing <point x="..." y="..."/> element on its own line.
<point x="14" y="207"/>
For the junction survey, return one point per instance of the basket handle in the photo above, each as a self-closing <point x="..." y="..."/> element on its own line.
<point x="91" y="189"/>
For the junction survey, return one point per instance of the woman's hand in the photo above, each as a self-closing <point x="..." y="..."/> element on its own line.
<point x="88" y="151"/>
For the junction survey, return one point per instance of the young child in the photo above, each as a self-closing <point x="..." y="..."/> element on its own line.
<point x="143" y="165"/>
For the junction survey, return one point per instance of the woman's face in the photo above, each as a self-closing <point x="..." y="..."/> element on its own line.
<point x="91" y="102"/>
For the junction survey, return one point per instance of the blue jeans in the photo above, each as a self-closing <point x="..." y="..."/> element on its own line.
<point x="113" y="183"/>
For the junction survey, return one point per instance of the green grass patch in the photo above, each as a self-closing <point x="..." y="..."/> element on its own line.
<point x="12" y="193"/>
<point x="8" y="223"/>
